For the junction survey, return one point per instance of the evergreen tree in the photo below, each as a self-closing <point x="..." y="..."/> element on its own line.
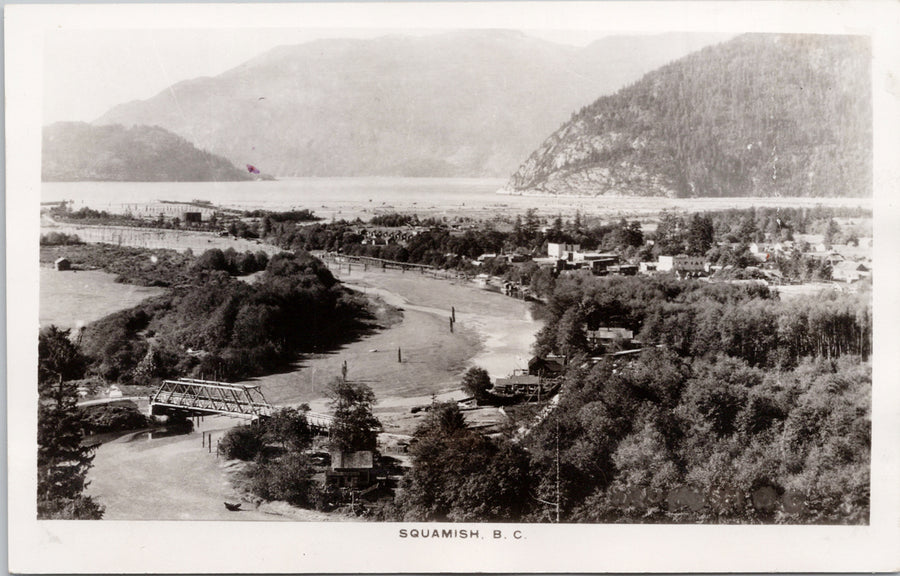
<point x="700" y="235"/>
<point x="63" y="462"/>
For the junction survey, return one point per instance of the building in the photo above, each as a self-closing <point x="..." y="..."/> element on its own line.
<point x="681" y="264"/>
<point x="62" y="264"/>
<point x="545" y="367"/>
<point x="648" y="267"/>
<point x="518" y="384"/>
<point x="760" y="254"/>
<point x="623" y="270"/>
<point x="608" y="334"/>
<point x="849" y="271"/>
<point x="601" y="266"/>
<point x="562" y="251"/>
<point x="351" y="469"/>
<point x="193" y="217"/>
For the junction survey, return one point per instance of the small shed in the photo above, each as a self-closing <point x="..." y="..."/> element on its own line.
<point x="62" y="264"/>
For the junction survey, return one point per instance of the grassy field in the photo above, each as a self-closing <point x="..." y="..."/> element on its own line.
<point x="71" y="299"/>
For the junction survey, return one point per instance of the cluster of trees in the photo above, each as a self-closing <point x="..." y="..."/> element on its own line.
<point x="60" y="239"/>
<point x="440" y="245"/>
<point x="278" y="446"/>
<point x="699" y="319"/>
<point x="460" y="475"/>
<point x="232" y="261"/>
<point x="215" y="326"/>
<point x="751" y="410"/>
<point x="668" y="439"/>
<point x="303" y="215"/>
<point x="678" y="233"/>
<point x="62" y="461"/>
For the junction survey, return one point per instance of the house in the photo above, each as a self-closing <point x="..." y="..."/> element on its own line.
<point x="623" y="270"/>
<point x="562" y="251"/>
<point x="682" y="264"/>
<point x="647" y="267"/>
<point x="546" y="367"/>
<point x="608" y="334"/>
<point x="600" y="266"/>
<point x="351" y="469"/>
<point x="518" y="384"/>
<point x="62" y="264"/>
<point x="850" y="271"/>
<point x="759" y="253"/>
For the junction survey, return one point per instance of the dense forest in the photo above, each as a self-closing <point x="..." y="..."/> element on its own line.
<point x="741" y="409"/>
<point x="74" y="151"/>
<point x="213" y="325"/>
<point x="760" y="115"/>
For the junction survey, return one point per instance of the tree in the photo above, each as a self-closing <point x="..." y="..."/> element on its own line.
<point x="289" y="427"/>
<point x="354" y="426"/>
<point x="243" y="442"/>
<point x="477" y="382"/>
<point x="63" y="462"/>
<point x="700" y="235"/>
<point x="288" y="478"/>
<point x="59" y="359"/>
<point x="460" y="475"/>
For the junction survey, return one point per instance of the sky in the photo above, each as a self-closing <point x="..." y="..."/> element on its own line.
<point x="88" y="72"/>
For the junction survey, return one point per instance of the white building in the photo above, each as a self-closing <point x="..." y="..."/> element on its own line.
<point x="561" y="251"/>
<point x="681" y="263"/>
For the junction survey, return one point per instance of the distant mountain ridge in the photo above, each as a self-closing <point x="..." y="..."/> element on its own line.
<point x="760" y="115"/>
<point x="469" y="103"/>
<point x="75" y="151"/>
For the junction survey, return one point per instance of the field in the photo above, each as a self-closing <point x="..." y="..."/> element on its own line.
<point x="180" y="240"/>
<point x="72" y="299"/>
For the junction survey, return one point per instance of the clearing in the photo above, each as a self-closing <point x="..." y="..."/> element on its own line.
<point x="71" y="299"/>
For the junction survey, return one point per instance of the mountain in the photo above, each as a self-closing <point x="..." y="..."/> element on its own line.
<point x="759" y="115"/>
<point x="75" y="151"/>
<point x="466" y="103"/>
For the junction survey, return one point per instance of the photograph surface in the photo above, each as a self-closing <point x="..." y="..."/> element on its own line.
<point x="451" y="284"/>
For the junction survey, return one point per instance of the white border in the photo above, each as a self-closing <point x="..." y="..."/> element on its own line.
<point x="93" y="547"/>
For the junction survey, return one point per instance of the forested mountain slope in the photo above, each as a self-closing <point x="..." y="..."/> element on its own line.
<point x="462" y="103"/>
<point x="74" y="151"/>
<point x="760" y="115"/>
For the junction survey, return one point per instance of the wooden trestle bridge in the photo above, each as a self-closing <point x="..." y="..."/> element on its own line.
<point x="191" y="397"/>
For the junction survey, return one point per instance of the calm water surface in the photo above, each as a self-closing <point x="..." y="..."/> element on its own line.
<point x="364" y="197"/>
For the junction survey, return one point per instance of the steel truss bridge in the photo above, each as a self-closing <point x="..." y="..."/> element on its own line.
<point x="205" y="397"/>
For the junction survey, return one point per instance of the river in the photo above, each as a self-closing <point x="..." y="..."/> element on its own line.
<point x="178" y="478"/>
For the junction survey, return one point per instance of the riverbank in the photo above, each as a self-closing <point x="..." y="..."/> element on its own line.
<point x="177" y="478"/>
<point x="492" y="331"/>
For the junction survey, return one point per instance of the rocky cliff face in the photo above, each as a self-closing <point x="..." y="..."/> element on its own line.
<point x="760" y="115"/>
